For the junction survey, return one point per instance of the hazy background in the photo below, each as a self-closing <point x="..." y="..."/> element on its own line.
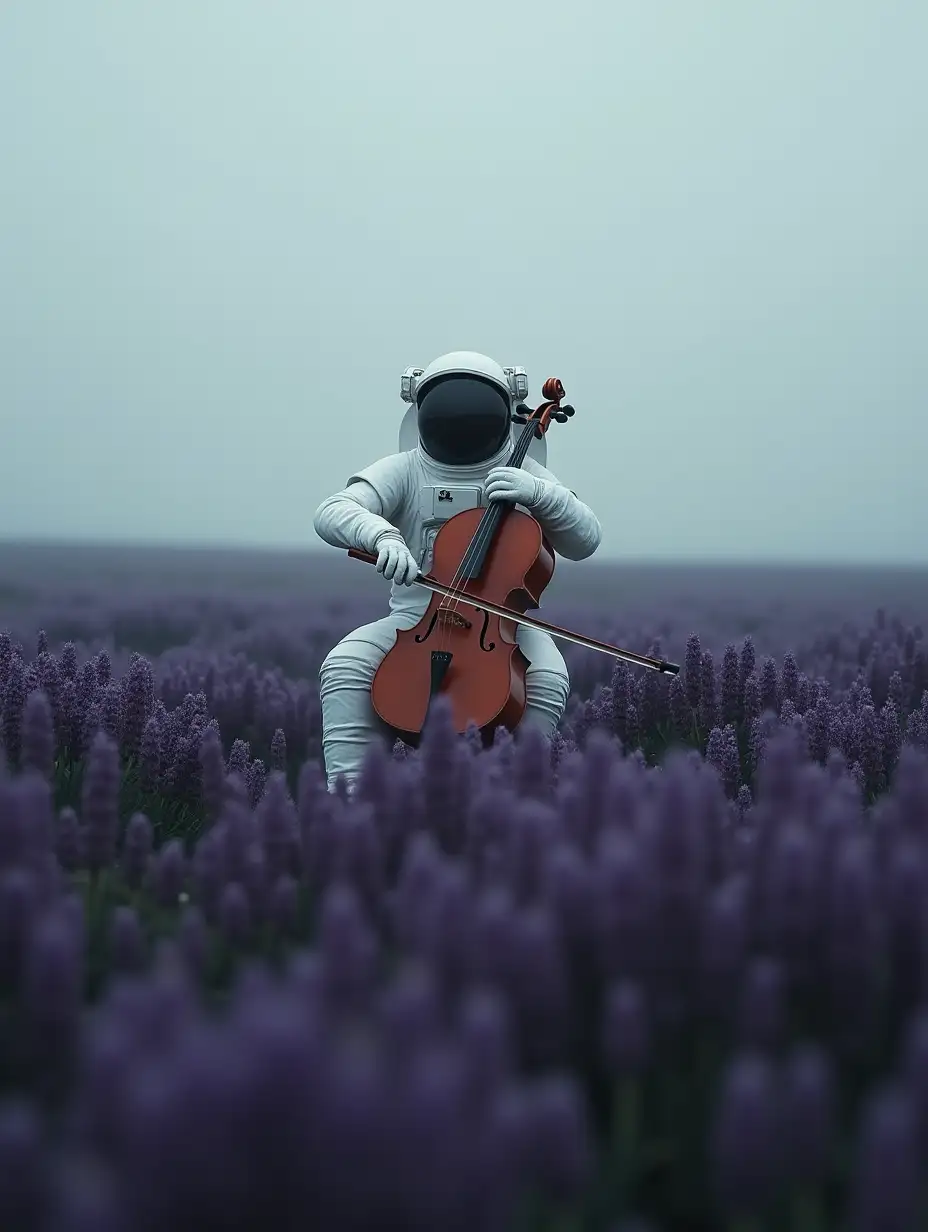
<point x="226" y="227"/>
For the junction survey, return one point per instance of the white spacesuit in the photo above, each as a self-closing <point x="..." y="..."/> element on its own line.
<point x="463" y="404"/>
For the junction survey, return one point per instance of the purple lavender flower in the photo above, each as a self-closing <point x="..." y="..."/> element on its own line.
<point x="648" y="697"/>
<point x="279" y="750"/>
<point x="731" y="690"/>
<point x="53" y="986"/>
<point x="625" y="1029"/>
<point x="486" y="1038"/>
<point x="42" y="643"/>
<point x="445" y="776"/>
<point x="744" y="801"/>
<point x="891" y="737"/>
<point x="750" y="707"/>
<point x="538" y="984"/>
<point x="854" y="940"/>
<point x="817" y="727"/>
<point x="745" y="1146"/>
<point x="632" y="727"/>
<point x="789" y="679"/>
<point x="70" y="721"/>
<point x="138" y="699"/>
<point x="621" y="691"/>
<point x="14" y="702"/>
<point x="100" y="802"/>
<point x="533" y="774"/>
<point x="90" y="726"/>
<point x="68" y="840"/>
<point x="708" y="701"/>
<point x="277" y="819"/>
<point x="692" y="671"/>
<point x="723" y="943"/>
<point x="284" y="907"/>
<point x="723" y="755"/>
<point x="23" y="1168"/>
<point x="763" y="1006"/>
<point x="235" y="914"/>
<point x="193" y="940"/>
<point x="126" y="941"/>
<point x="104" y="669"/>
<point x="916" y="730"/>
<point x="18" y="908"/>
<point x="256" y="780"/>
<point x="896" y="693"/>
<point x="409" y="1011"/>
<point x="38" y="736"/>
<point x="150" y="754"/>
<point x="256" y="881"/>
<point x="560" y="1148"/>
<point x="870" y="746"/>
<point x="769" y="686"/>
<point x="679" y="707"/>
<point x="239" y="758"/>
<point x="170" y="873"/>
<point x="6" y="656"/>
<point x="86" y="685"/>
<point x="347" y="948"/>
<point x="803" y="693"/>
<point x="748" y="660"/>
<point x="212" y="772"/>
<point x="67" y="661"/>
<point x="111" y="712"/>
<point x="137" y="846"/>
<point x="887" y="1179"/>
<point x="809" y="1115"/>
<point x="621" y="907"/>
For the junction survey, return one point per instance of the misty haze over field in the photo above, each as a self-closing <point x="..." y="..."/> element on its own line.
<point x="226" y="228"/>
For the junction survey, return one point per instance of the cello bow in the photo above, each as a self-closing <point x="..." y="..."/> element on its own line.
<point x="662" y="666"/>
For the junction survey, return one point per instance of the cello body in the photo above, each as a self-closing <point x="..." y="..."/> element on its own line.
<point x="459" y="650"/>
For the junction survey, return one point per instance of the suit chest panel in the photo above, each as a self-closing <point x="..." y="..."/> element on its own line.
<point x="436" y="504"/>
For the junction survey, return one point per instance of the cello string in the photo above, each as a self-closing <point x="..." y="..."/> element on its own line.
<point x="477" y="544"/>
<point x="484" y="533"/>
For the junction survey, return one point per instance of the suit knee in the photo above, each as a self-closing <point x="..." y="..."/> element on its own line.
<point x="546" y="694"/>
<point x="349" y="665"/>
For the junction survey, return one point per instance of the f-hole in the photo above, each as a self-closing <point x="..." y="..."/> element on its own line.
<point x="424" y="637"/>
<point x="483" y="634"/>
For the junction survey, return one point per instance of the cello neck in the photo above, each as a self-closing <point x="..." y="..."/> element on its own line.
<point x="475" y="557"/>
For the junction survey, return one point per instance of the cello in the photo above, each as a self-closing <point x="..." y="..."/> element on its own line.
<point x="490" y="566"/>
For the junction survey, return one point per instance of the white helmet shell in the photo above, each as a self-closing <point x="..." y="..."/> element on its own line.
<point x="512" y="381"/>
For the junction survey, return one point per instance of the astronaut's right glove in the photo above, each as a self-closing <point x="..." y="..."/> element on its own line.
<point x="395" y="561"/>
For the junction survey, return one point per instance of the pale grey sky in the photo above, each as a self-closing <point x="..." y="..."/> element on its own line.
<point x="226" y="226"/>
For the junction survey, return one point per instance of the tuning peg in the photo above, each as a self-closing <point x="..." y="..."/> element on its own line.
<point x="560" y="416"/>
<point x="568" y="410"/>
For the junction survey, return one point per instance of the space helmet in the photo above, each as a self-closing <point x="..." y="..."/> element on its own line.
<point x="463" y="403"/>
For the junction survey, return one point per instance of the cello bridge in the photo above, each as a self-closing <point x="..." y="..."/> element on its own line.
<point x="448" y="617"/>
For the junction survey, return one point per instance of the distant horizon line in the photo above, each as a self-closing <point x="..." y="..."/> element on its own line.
<point x="224" y="546"/>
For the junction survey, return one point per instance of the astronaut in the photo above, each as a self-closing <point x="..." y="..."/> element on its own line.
<point x="463" y="404"/>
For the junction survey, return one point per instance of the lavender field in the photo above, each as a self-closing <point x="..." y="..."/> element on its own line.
<point x="669" y="973"/>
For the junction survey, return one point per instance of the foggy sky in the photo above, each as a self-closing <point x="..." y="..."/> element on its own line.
<point x="227" y="227"/>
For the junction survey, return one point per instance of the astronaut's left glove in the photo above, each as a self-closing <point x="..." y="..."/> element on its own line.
<point x="511" y="484"/>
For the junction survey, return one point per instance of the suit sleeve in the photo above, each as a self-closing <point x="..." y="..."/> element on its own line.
<point x="572" y="527"/>
<point x="359" y="516"/>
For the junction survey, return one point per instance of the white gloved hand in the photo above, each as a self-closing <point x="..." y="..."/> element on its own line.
<point x="395" y="561"/>
<point x="510" y="483"/>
